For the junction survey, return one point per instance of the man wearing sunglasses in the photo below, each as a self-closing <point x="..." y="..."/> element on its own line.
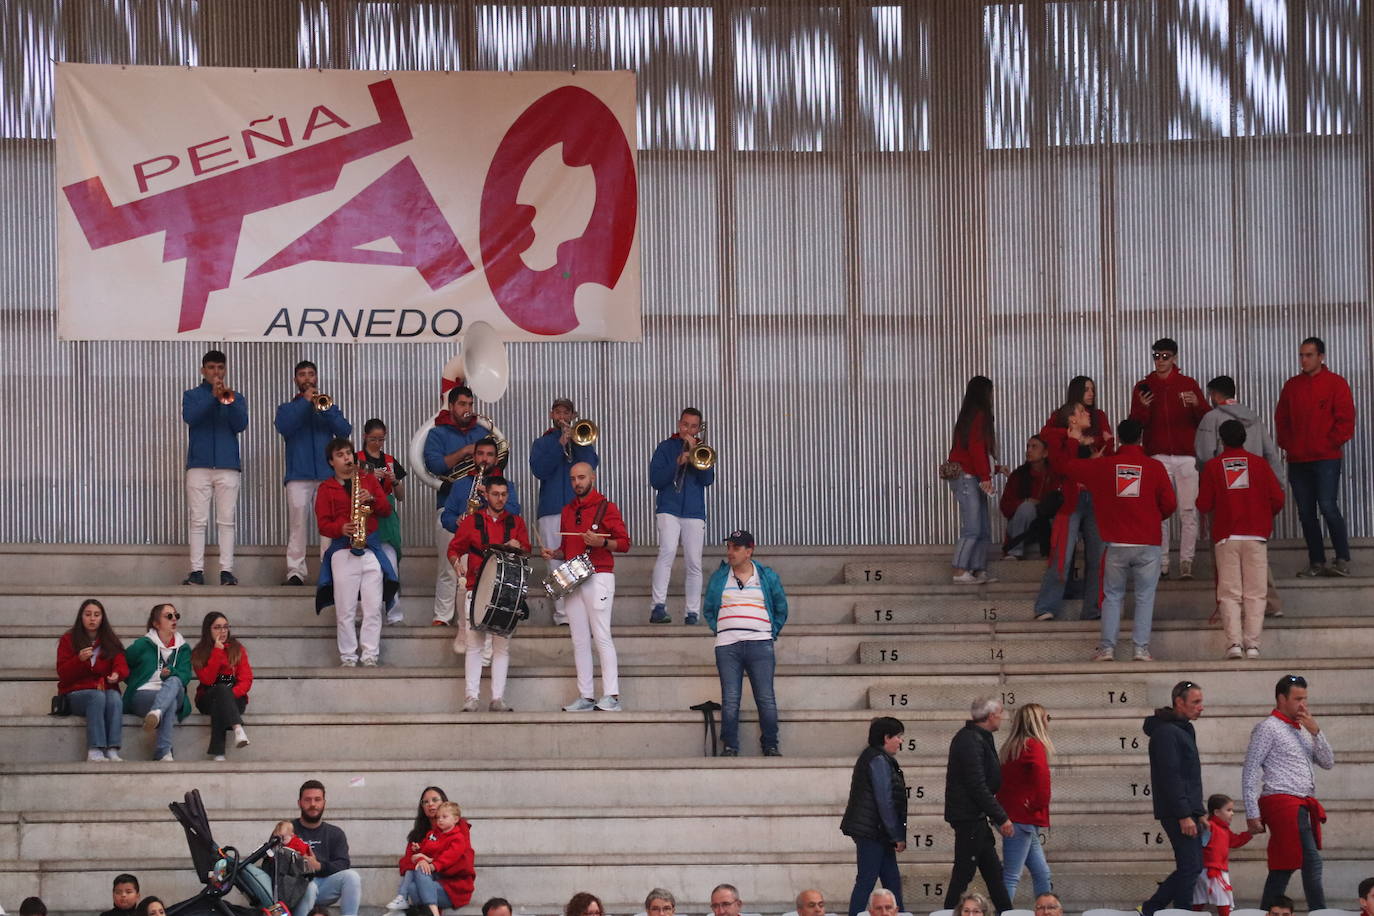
<point x="1170" y="405"/>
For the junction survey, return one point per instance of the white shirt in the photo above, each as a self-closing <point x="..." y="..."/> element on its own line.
<point x="743" y="612"/>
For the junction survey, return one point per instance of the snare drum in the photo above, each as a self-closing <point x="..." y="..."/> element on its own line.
<point x="501" y="583"/>
<point x="566" y="577"/>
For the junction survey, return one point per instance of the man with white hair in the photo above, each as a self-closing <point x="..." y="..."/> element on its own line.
<point x="882" y="902"/>
<point x="971" y="783"/>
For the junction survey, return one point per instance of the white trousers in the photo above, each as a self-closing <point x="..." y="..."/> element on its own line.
<point x="499" y="648"/>
<point x="357" y="580"/>
<point x="449" y="592"/>
<point x="201" y="485"/>
<point x="692" y="532"/>
<point x="1183" y="475"/>
<point x="300" y="518"/>
<point x="589" y="621"/>
<point x="395" y="615"/>
<point x="548" y="526"/>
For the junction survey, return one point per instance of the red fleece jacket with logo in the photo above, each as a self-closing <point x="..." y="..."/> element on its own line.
<point x="1131" y="494"/>
<point x="1242" y="491"/>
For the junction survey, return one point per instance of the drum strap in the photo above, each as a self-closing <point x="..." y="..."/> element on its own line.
<point x="486" y="539"/>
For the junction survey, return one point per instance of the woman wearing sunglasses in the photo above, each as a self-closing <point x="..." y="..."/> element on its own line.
<point x="159" y="670"/>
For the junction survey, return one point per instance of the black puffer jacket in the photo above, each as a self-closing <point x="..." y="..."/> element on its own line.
<point x="973" y="777"/>
<point x="862" y="818"/>
<point x="1175" y="767"/>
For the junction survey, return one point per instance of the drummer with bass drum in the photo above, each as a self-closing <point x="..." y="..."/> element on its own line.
<point x="482" y="537"/>
<point x="591" y="525"/>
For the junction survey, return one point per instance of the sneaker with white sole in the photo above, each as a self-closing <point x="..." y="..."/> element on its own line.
<point x="95" y="756"/>
<point x="1235" y="652"/>
<point x="470" y="704"/>
<point x="1142" y="654"/>
<point x="112" y="753"/>
<point x="498" y="705"/>
<point x="608" y="704"/>
<point x="240" y="737"/>
<point x="218" y="758"/>
<point x="964" y="578"/>
<point x="1104" y="654"/>
<point x="1339" y="568"/>
<point x="165" y="758"/>
<point x="370" y="661"/>
<point x="983" y="577"/>
<point x="1185" y="569"/>
<point x="348" y="663"/>
<point x="152" y="720"/>
<point x="1252" y="652"/>
<point x="581" y="704"/>
<point x="1312" y="572"/>
<point x="398" y="902"/>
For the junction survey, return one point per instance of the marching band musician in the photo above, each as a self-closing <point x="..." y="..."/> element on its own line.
<point x="551" y="458"/>
<point x="307" y="431"/>
<point x="455" y="433"/>
<point x="476" y="532"/>
<point x="591" y="524"/>
<point x="346" y="578"/>
<point x="680" y="511"/>
<point x="391" y="474"/>
<point x="214" y="416"/>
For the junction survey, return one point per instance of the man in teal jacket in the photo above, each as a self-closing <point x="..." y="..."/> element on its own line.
<point x="746" y="608"/>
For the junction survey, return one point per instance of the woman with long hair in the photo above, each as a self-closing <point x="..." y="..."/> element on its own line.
<point x="221" y="665"/>
<point x="1099" y="436"/>
<point x="90" y="665"/>
<point x="584" y="904"/>
<point x="974" y="452"/>
<point x="1066" y="437"/>
<point x="159" y="673"/>
<point x="1025" y="795"/>
<point x="426" y="810"/>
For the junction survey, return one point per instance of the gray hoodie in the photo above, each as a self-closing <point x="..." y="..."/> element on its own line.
<point x="1207" y="442"/>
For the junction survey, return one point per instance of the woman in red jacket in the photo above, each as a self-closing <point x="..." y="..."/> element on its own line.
<point x="443" y="871"/>
<point x="90" y="665"/>
<point x="1025" y="794"/>
<point x="974" y="450"/>
<point x="221" y="665"/>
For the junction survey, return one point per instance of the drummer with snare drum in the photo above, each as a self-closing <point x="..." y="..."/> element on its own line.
<point x="591" y="525"/>
<point x="489" y="527"/>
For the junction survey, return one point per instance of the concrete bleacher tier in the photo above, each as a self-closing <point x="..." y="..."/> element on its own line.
<point x="617" y="804"/>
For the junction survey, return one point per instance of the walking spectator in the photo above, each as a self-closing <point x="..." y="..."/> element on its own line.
<point x="969" y="471"/>
<point x="972" y="779"/>
<point x="875" y="815"/>
<point x="90" y="665"/>
<point x="333" y="878"/>
<point x="426" y="811"/>
<point x="584" y="904"/>
<point x="1221" y="393"/>
<point x="441" y="873"/>
<point x="221" y="665"/>
<point x="1314" y="419"/>
<point x="125" y="893"/>
<point x="1066" y="437"/>
<point x="1170" y="405"/>
<point x="1176" y="775"/>
<point x="1214" y="882"/>
<point x="1024" y="502"/>
<point x="1243" y="495"/>
<point x="1025" y="796"/>
<point x="1131" y="496"/>
<point x="1280" y="791"/>
<point x="746" y="608"/>
<point x="159" y="673"/>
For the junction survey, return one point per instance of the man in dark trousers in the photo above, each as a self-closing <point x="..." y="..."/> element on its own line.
<point x="1176" y="775"/>
<point x="971" y="783"/>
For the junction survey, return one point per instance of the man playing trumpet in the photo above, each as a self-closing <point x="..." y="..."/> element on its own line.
<point x="680" y="511"/>
<point x="551" y="458"/>
<point x="214" y="416"/>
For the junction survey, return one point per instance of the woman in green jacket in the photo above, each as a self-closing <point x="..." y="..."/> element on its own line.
<point x="159" y="670"/>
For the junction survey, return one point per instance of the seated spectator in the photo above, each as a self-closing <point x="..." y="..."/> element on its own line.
<point x="660" y="902"/>
<point x="810" y="902"/>
<point x="1029" y="502"/>
<point x="584" y="904"/>
<point x="426" y="813"/>
<point x="1048" y="904"/>
<point x="150" y="906"/>
<point x="90" y="665"/>
<point x="159" y="673"/>
<point x="442" y="873"/>
<point x="497" y="906"/>
<point x="33" y="906"/>
<point x="1283" y="906"/>
<point x="974" y="905"/>
<point x="883" y="902"/>
<point x="1367" y="897"/>
<point x="125" y="896"/>
<point x="221" y="665"/>
<point x="328" y="861"/>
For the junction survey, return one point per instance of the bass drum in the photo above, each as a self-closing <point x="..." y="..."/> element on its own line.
<point x="501" y="583"/>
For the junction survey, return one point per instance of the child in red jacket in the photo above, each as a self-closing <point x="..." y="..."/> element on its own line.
<point x="1214" y="884"/>
<point x="441" y="874"/>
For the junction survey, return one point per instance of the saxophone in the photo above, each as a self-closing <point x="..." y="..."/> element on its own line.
<point x="358" y="512"/>
<point x="475" y="498"/>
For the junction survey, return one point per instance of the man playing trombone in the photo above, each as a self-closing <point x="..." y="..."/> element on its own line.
<point x="551" y="458"/>
<point x="681" y="470"/>
<point x="308" y="423"/>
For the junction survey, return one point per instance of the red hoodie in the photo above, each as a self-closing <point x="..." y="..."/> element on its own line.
<point x="973" y="458"/>
<point x="1315" y="416"/>
<point x="455" y="865"/>
<point x="1025" y="792"/>
<point x="1099" y="427"/>
<point x="1131" y="494"/>
<point x="1170" y="425"/>
<point x="217" y="664"/>
<point x="75" y="674"/>
<point x="1243" y="492"/>
<point x="579" y="515"/>
<point x="1216" y="855"/>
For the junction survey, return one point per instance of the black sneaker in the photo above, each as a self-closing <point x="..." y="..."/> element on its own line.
<point x="294" y="580"/>
<point x="730" y="752"/>
<point x="771" y="752"/>
<point x="196" y="577"/>
<point x="227" y="578"/>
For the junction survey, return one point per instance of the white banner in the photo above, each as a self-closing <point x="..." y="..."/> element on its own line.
<point x="345" y="205"/>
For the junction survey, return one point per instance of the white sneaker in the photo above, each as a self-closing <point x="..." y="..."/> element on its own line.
<point x="95" y="756"/>
<point x="1104" y="654"/>
<point x="1252" y="652"/>
<point x="1142" y="654"/>
<point x="1235" y="652"/>
<point x="395" y="617"/>
<point x="983" y="578"/>
<point x="470" y="704"/>
<point x="348" y="663"/>
<point x="219" y="758"/>
<point x="112" y="753"/>
<point x="240" y="737"/>
<point x="398" y="903"/>
<point x="964" y="578"/>
<point x="369" y="661"/>
<point x="152" y="720"/>
<point x="581" y="704"/>
<point x="166" y="758"/>
<point x="608" y="704"/>
<point x="498" y="705"/>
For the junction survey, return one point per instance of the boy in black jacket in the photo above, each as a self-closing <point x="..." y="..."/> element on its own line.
<point x="1176" y="775"/>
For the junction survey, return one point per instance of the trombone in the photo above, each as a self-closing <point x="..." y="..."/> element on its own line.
<point x="700" y="456"/>
<point x="582" y="432"/>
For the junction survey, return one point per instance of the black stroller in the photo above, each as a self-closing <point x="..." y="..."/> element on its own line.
<point x="222" y="870"/>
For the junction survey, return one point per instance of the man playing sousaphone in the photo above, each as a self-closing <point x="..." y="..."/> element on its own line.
<point x="491" y="525"/>
<point x="351" y="575"/>
<point x="591" y="524"/>
<point x="452" y="440"/>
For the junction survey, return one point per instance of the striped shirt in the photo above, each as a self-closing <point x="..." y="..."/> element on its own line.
<point x="743" y="612"/>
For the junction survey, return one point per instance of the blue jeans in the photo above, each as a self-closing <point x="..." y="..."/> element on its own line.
<point x="104" y="712"/>
<point x="755" y="658"/>
<point x="344" y="886"/>
<point x="422" y="890"/>
<point x="877" y="861"/>
<point x="167" y="699"/>
<point x="1023" y="848"/>
<point x="1277" y="881"/>
<point x="1082" y="526"/>
<point x="975" y="527"/>
<point x="1178" y="887"/>
<point x="1141" y="564"/>
<point x="1019" y="524"/>
<point x="1317" y="485"/>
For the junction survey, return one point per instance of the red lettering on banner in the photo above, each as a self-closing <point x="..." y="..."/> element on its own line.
<point x="541" y="301"/>
<point x="312" y="124"/>
<point x="248" y="136"/>
<point x="194" y="154"/>
<point x="142" y="176"/>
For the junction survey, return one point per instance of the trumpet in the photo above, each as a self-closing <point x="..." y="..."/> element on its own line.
<point x="227" y="397"/>
<point x="322" y="402"/>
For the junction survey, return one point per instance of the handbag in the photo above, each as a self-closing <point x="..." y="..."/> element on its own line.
<point x="951" y="470"/>
<point x="61" y="705"/>
<point x="226" y="680"/>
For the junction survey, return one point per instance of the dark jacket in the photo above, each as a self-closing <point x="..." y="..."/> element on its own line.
<point x="973" y="777"/>
<point x="328" y="843"/>
<point x="870" y="813"/>
<point x="1175" y="768"/>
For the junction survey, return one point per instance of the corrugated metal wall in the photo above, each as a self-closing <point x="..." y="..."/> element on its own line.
<point x="848" y="209"/>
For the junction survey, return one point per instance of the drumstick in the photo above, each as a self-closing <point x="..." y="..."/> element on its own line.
<point x="576" y="534"/>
